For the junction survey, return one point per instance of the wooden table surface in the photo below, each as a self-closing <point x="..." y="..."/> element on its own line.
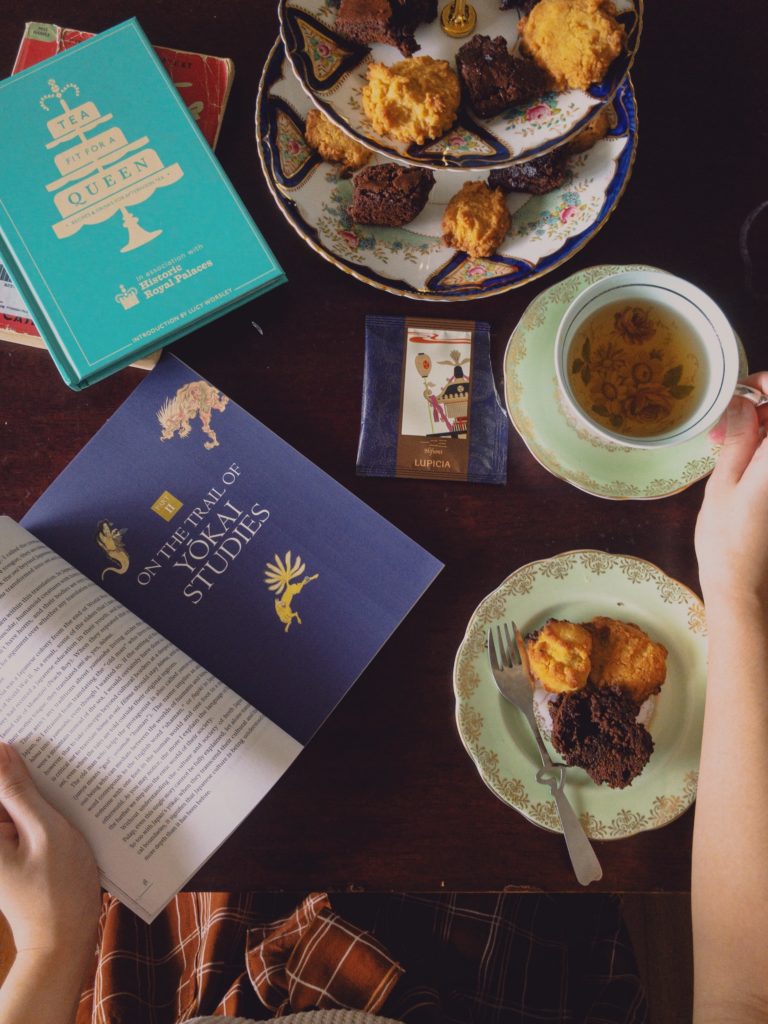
<point x="385" y="797"/>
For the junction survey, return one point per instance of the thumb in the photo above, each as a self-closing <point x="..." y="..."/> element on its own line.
<point x="742" y="436"/>
<point x="19" y="796"/>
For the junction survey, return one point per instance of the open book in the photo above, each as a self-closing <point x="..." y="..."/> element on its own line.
<point x="186" y="544"/>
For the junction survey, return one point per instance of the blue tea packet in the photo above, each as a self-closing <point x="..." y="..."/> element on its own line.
<point x="430" y="408"/>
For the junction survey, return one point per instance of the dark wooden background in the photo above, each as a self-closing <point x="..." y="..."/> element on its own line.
<point x="385" y="797"/>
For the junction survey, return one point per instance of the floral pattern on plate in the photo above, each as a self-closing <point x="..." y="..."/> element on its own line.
<point x="332" y="70"/>
<point x="413" y="261"/>
<point x="550" y="431"/>
<point x="578" y="585"/>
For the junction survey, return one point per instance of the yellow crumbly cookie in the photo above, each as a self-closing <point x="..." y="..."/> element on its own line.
<point x="574" y="40"/>
<point x="334" y="144"/>
<point x="624" y="655"/>
<point x="560" y="656"/>
<point x="414" y="101"/>
<point x="597" y="129"/>
<point x="476" y="219"/>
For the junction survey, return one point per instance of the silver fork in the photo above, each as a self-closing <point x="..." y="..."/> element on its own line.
<point x="509" y="664"/>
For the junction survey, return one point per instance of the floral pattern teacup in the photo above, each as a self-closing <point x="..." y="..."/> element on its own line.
<point x="646" y="359"/>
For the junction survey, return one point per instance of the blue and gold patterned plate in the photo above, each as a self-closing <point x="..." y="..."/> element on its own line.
<point x="333" y="71"/>
<point x="413" y="261"/>
<point x="553" y="435"/>
<point x="578" y="585"/>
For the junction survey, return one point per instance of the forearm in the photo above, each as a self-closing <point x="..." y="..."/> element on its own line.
<point x="44" y="987"/>
<point x="730" y="871"/>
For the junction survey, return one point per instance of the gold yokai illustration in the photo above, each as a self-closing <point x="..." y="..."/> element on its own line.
<point x="110" y="540"/>
<point x="196" y="399"/>
<point x="278" y="578"/>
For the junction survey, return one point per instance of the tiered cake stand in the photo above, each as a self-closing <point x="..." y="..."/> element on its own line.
<point x="313" y="66"/>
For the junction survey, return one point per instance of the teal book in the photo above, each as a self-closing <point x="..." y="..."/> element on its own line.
<point x="117" y="223"/>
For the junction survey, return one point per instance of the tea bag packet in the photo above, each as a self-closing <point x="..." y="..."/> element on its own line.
<point x="430" y="408"/>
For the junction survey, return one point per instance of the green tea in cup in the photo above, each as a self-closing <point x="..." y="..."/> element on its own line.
<point x="646" y="359"/>
<point x="637" y="367"/>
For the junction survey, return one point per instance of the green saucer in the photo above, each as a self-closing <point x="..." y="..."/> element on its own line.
<point x="553" y="435"/>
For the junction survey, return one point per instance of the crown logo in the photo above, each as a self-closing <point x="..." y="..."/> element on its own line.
<point x="58" y="93"/>
<point x="127" y="297"/>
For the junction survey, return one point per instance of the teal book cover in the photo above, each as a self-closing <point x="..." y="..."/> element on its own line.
<point x="117" y="223"/>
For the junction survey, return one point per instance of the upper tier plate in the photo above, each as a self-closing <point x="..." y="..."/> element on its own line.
<point x="413" y="260"/>
<point x="332" y="70"/>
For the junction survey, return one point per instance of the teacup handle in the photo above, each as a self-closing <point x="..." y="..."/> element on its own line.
<point x="751" y="394"/>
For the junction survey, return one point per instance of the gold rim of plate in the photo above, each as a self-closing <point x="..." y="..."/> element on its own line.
<point x="496" y="736"/>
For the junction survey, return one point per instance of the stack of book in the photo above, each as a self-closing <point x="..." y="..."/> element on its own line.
<point x="118" y="227"/>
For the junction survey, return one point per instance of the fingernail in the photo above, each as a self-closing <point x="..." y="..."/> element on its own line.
<point x="5" y="753"/>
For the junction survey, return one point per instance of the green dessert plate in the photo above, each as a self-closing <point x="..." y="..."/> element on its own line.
<point x="579" y="585"/>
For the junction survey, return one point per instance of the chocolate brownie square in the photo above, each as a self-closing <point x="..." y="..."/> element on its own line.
<point x="597" y="730"/>
<point x="493" y="79"/>
<point x="537" y="176"/>
<point x="389" y="194"/>
<point x="384" y="21"/>
<point x="524" y="6"/>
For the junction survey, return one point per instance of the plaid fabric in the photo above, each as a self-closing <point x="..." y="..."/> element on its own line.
<point x="468" y="959"/>
<point x="317" y="959"/>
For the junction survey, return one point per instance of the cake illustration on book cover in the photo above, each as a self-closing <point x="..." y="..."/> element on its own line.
<point x="103" y="286"/>
<point x="101" y="174"/>
<point x="234" y="546"/>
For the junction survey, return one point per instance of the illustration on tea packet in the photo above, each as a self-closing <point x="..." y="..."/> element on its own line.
<point x="430" y="408"/>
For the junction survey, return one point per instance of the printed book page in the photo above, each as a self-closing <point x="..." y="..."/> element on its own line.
<point x="148" y="754"/>
<point x="15" y="321"/>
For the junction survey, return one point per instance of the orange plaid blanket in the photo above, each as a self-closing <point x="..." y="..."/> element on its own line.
<point x="463" y="959"/>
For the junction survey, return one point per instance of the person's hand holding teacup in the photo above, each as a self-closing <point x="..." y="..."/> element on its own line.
<point x="732" y="531"/>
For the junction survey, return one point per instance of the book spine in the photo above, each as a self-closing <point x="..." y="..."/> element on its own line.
<point x="38" y="43"/>
<point x="19" y="330"/>
<point x="14" y="319"/>
<point x="26" y="289"/>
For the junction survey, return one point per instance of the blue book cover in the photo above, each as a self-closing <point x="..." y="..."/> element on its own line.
<point x="230" y="543"/>
<point x="117" y="223"/>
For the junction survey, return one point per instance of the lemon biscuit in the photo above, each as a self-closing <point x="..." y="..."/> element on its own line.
<point x="597" y="129"/>
<point x="575" y="41"/>
<point x="414" y="100"/>
<point x="624" y="655"/>
<point x="476" y="219"/>
<point x="332" y="143"/>
<point x="560" y="656"/>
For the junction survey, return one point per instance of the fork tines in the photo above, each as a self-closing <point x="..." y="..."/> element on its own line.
<point x="508" y="654"/>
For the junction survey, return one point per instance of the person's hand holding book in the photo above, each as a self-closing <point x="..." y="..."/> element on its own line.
<point x="49" y="893"/>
